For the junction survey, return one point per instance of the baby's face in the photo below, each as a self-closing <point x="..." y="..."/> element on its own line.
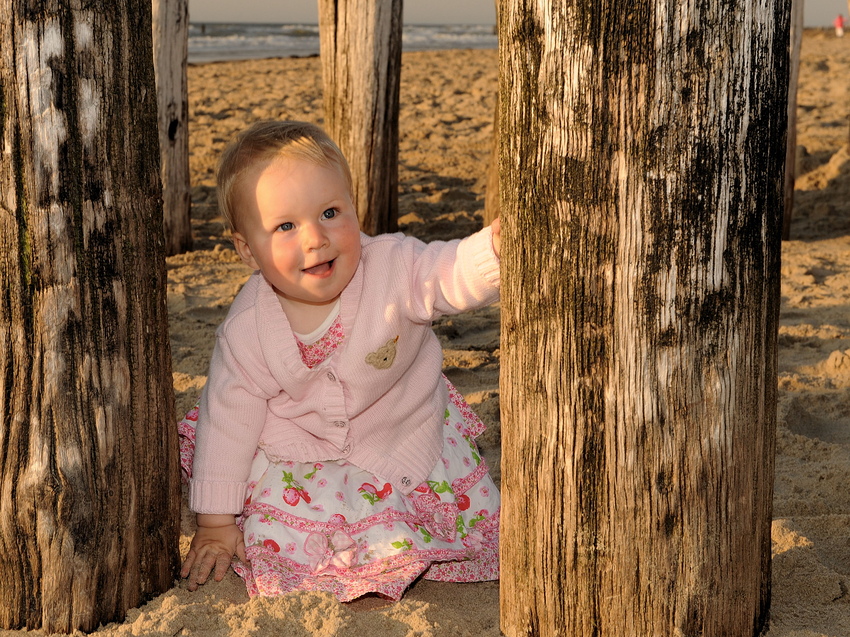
<point x="298" y="226"/>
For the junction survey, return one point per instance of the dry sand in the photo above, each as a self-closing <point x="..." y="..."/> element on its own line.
<point x="447" y="101"/>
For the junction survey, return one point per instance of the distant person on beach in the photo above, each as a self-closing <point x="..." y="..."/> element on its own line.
<point x="839" y="26"/>
<point x="327" y="451"/>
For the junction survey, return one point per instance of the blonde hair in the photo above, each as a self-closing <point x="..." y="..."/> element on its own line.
<point x="267" y="140"/>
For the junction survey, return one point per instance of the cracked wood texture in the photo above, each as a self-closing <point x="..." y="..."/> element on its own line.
<point x="89" y="463"/>
<point x="360" y="44"/>
<point x="171" y="50"/>
<point x="641" y="160"/>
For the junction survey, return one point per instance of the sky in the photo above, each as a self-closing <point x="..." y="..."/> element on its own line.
<point x="415" y="11"/>
<point x="817" y="13"/>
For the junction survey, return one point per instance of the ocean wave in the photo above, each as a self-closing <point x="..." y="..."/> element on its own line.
<point x="228" y="41"/>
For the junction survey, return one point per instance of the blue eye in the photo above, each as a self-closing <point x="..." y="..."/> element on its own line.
<point x="330" y="213"/>
<point x="284" y="227"/>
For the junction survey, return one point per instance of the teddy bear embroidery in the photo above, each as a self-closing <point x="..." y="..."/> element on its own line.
<point x="384" y="356"/>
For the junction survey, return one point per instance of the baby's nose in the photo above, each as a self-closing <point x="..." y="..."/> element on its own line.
<point x="313" y="236"/>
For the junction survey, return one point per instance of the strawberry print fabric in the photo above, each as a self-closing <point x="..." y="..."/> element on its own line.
<point x="330" y="526"/>
<point x="315" y="353"/>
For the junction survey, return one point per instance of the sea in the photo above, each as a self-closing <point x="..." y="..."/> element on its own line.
<point x="216" y="42"/>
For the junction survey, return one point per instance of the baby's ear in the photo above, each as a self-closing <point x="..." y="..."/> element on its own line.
<point x="244" y="251"/>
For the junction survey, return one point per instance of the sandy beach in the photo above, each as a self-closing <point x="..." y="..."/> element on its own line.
<point x="447" y="102"/>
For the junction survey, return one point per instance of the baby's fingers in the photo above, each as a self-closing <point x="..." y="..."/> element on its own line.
<point x="187" y="564"/>
<point x="222" y="563"/>
<point x="201" y="570"/>
<point x="497" y="236"/>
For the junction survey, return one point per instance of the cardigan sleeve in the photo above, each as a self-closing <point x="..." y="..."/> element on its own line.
<point x="455" y="276"/>
<point x="231" y="418"/>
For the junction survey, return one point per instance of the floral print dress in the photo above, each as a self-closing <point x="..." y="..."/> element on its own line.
<point x="330" y="526"/>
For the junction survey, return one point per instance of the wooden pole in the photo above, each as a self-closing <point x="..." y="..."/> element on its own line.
<point x="642" y="171"/>
<point x="361" y="70"/>
<point x="89" y="461"/>
<point x="170" y="44"/>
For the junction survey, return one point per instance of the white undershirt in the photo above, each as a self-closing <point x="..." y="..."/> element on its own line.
<point x="316" y="334"/>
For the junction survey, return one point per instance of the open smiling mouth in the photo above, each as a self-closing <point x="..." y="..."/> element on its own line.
<point x="323" y="269"/>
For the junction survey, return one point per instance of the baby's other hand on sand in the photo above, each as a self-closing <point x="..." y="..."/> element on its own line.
<point x="215" y="543"/>
<point x="496" y="226"/>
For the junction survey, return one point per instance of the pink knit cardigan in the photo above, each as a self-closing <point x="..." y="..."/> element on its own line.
<point x="377" y="402"/>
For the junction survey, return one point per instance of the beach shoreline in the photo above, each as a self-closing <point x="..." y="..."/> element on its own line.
<point x="226" y="41"/>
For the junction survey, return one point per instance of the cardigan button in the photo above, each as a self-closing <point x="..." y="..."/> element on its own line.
<point x="331" y="377"/>
<point x="347" y="449"/>
<point x="340" y="423"/>
<point x="405" y="481"/>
